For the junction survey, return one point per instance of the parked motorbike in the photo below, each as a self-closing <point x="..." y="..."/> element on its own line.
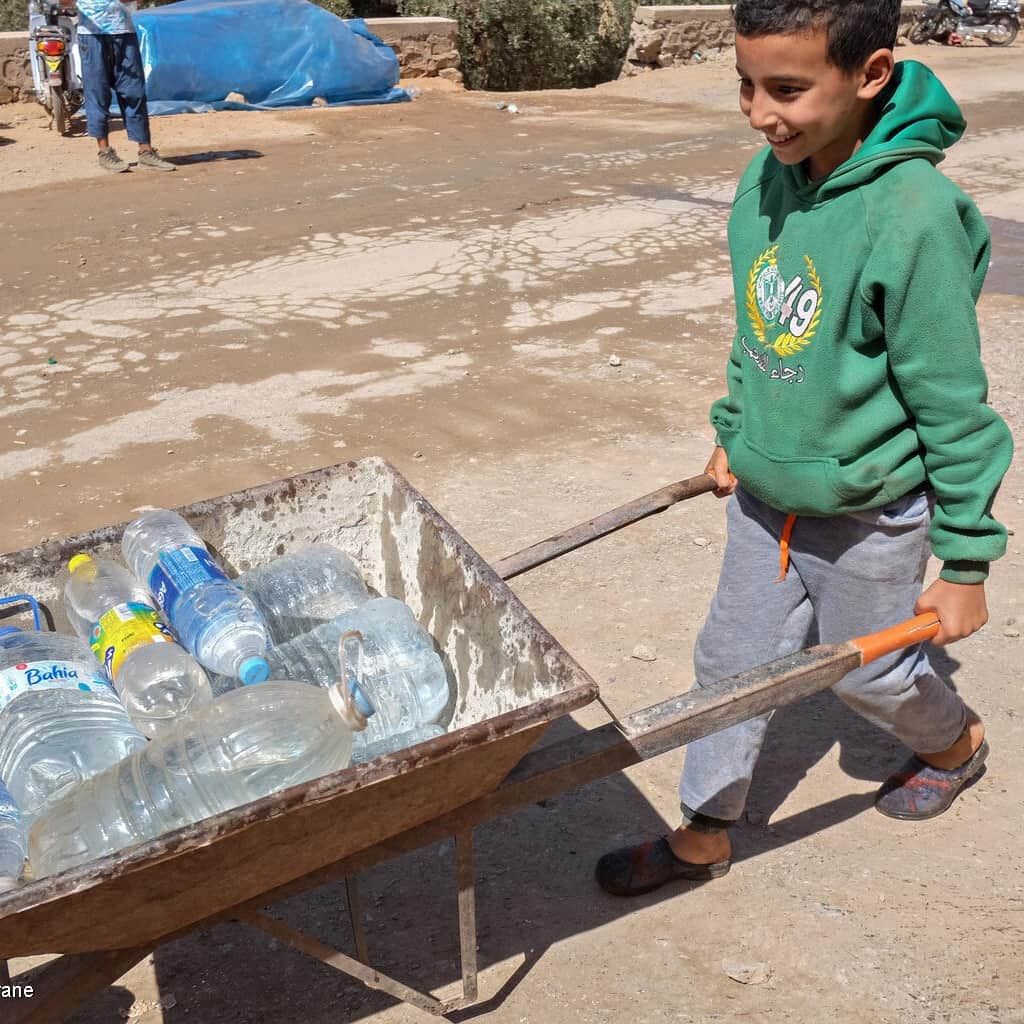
<point x="56" y="63"/>
<point x="995" y="21"/>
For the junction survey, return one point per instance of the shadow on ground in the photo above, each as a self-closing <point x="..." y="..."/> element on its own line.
<point x="534" y="887"/>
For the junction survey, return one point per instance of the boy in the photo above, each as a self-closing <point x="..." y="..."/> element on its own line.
<point x="111" y="61"/>
<point x="855" y="427"/>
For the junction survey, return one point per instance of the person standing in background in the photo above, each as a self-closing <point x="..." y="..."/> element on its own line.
<point x="112" y="62"/>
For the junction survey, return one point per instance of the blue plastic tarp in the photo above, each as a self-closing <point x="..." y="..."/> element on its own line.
<point x="275" y="53"/>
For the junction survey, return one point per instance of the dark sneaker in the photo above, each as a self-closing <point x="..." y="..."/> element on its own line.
<point x="634" y="870"/>
<point x="151" y="158"/>
<point x="110" y="161"/>
<point x="920" y="791"/>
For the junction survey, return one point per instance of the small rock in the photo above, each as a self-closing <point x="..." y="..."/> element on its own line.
<point x="512" y="108"/>
<point x="644" y="653"/>
<point x="417" y="455"/>
<point x="614" y="361"/>
<point x="701" y="542"/>
<point x="500" y="105"/>
<point x="319" y="101"/>
<point x="1011" y="632"/>
<point x="235" y="97"/>
<point x="747" y="974"/>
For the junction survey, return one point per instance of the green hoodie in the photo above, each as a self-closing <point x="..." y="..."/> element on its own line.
<point x="855" y="377"/>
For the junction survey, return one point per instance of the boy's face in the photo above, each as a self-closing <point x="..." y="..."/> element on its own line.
<point x="807" y="108"/>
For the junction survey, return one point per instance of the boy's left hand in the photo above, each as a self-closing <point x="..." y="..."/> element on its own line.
<point x="961" y="608"/>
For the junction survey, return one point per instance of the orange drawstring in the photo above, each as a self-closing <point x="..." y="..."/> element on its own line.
<point x="787" y="532"/>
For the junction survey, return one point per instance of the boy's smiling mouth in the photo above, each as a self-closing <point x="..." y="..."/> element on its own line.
<point x="782" y="140"/>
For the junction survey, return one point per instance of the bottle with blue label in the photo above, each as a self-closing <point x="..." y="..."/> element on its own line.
<point x="60" y="720"/>
<point x="12" y="840"/>
<point x="210" y="614"/>
<point x="155" y="677"/>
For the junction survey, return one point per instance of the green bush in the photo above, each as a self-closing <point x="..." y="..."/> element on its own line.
<point x="535" y="44"/>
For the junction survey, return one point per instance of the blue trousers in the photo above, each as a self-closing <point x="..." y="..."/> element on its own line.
<point x="848" y="576"/>
<point x="113" y="64"/>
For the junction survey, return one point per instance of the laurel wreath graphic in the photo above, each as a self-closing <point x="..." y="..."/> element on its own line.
<point x="785" y="344"/>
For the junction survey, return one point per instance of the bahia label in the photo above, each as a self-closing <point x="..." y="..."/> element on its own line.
<point x="123" y="629"/>
<point x="47" y="675"/>
<point x="178" y="571"/>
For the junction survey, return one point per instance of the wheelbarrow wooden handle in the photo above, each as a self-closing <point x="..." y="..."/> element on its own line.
<point x="632" y="512"/>
<point x="736" y="699"/>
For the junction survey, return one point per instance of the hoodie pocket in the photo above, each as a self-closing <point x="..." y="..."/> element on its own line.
<point x="796" y="484"/>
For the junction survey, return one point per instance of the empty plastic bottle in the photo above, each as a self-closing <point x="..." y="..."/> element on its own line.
<point x="302" y="590"/>
<point x="155" y="677"/>
<point x="60" y="720"/>
<point x="401" y="678"/>
<point x="248" y="744"/>
<point x="362" y="751"/>
<point x="12" y="840"/>
<point x="211" y="616"/>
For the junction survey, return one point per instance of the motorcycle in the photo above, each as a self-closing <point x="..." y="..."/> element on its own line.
<point x="995" y="21"/>
<point x="56" y="63"/>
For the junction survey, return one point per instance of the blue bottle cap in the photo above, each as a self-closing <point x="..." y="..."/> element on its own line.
<point x="253" y="670"/>
<point x="361" y="701"/>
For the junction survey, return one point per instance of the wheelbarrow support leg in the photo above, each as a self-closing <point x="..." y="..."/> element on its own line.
<point x="467" y="914"/>
<point x="355" y="913"/>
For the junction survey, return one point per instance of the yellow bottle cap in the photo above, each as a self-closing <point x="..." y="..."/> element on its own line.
<point x="78" y="560"/>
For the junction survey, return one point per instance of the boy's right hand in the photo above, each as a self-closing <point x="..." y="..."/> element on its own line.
<point x="718" y="467"/>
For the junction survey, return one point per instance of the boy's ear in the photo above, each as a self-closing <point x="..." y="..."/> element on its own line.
<point x="876" y="74"/>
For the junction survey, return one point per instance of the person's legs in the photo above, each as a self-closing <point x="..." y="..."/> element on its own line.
<point x="864" y="572"/>
<point x="754" y="618"/>
<point x="130" y="87"/>
<point x="97" y="78"/>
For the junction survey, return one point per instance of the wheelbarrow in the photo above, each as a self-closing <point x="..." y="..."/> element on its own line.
<point x="509" y="677"/>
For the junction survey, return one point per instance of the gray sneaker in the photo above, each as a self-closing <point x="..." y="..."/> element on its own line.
<point x="151" y="158"/>
<point x="110" y="161"/>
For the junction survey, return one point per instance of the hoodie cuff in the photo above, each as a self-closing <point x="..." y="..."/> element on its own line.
<point x="964" y="572"/>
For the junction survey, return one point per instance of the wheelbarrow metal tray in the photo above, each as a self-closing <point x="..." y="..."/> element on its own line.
<point x="509" y="677"/>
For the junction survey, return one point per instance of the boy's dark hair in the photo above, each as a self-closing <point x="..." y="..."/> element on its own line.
<point x="856" y="28"/>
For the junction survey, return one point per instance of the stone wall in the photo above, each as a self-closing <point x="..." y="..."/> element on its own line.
<point x="426" y="48"/>
<point x="663" y="36"/>
<point x="15" y="72"/>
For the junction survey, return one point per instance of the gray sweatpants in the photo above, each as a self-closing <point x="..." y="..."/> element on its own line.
<point x="848" y="576"/>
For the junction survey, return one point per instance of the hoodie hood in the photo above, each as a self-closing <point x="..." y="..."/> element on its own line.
<point x="917" y="119"/>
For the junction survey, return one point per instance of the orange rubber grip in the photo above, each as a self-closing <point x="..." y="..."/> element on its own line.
<point x="913" y="631"/>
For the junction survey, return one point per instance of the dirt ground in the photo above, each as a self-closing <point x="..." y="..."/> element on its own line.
<point x="444" y="284"/>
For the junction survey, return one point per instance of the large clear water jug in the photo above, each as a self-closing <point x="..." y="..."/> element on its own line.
<point x="247" y="744"/>
<point x="304" y="589"/>
<point x="401" y="678"/>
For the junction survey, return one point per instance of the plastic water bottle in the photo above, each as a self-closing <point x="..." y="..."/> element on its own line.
<point x="60" y="720"/>
<point x="362" y="751"/>
<point x="155" y="677"/>
<point x="12" y="840"/>
<point x="248" y="744"/>
<point x="211" y="616"/>
<point x="401" y="678"/>
<point x="302" y="590"/>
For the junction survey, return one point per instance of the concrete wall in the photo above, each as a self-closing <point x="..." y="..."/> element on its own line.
<point x="663" y="36"/>
<point x="426" y="47"/>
